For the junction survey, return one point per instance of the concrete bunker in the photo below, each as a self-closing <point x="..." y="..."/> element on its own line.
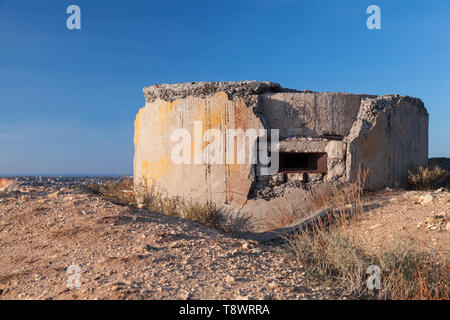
<point x="322" y="137"/>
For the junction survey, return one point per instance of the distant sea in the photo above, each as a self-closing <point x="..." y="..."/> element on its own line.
<point x="67" y="175"/>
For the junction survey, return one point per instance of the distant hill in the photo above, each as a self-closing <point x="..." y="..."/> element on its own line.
<point x="444" y="163"/>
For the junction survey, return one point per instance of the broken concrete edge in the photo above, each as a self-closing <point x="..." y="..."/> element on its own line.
<point x="377" y="104"/>
<point x="308" y="221"/>
<point x="172" y="92"/>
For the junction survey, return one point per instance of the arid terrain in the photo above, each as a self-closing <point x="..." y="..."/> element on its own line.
<point x="128" y="253"/>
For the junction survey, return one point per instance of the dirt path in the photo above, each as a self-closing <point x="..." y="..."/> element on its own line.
<point x="129" y="253"/>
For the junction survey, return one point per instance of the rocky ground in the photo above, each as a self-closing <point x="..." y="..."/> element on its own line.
<point x="417" y="218"/>
<point x="128" y="253"/>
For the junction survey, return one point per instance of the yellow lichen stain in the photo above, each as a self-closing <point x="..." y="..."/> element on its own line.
<point x="234" y="167"/>
<point x="163" y="116"/>
<point x="211" y="111"/>
<point x="154" y="170"/>
<point x="137" y="126"/>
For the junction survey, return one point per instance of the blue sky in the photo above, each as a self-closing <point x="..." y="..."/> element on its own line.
<point x="68" y="98"/>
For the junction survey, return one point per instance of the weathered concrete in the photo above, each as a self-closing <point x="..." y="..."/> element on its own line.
<point x="386" y="134"/>
<point x="389" y="137"/>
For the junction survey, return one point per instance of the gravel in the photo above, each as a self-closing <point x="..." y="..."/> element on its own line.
<point x="124" y="252"/>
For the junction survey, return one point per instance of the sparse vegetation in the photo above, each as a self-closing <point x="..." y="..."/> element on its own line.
<point x="219" y="218"/>
<point x="337" y="259"/>
<point x="427" y="177"/>
<point x="120" y="191"/>
<point x="341" y="197"/>
<point x="282" y="217"/>
<point x="333" y="257"/>
<point x="154" y="199"/>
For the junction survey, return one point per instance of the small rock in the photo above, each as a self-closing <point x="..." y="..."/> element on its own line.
<point x="54" y="195"/>
<point x="426" y="198"/>
<point x="175" y="244"/>
<point x="229" y="279"/>
<point x="186" y="295"/>
<point x="375" y="226"/>
<point x="434" y="218"/>
<point x="149" y="247"/>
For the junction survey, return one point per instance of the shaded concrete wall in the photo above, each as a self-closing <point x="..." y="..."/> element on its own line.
<point x="310" y="114"/>
<point x="389" y="137"/>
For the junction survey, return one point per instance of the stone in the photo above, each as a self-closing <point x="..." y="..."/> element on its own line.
<point x="426" y="198"/>
<point x="54" y="195"/>
<point x="185" y="295"/>
<point x="375" y="226"/>
<point x="434" y="218"/>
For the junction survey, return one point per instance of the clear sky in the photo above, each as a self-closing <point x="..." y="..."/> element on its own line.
<point x="68" y="98"/>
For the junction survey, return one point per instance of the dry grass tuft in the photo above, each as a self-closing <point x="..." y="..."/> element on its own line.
<point x="155" y="199"/>
<point x="281" y="217"/>
<point x="341" y="195"/>
<point x="427" y="178"/>
<point x="338" y="197"/>
<point x="224" y="220"/>
<point x="120" y="191"/>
